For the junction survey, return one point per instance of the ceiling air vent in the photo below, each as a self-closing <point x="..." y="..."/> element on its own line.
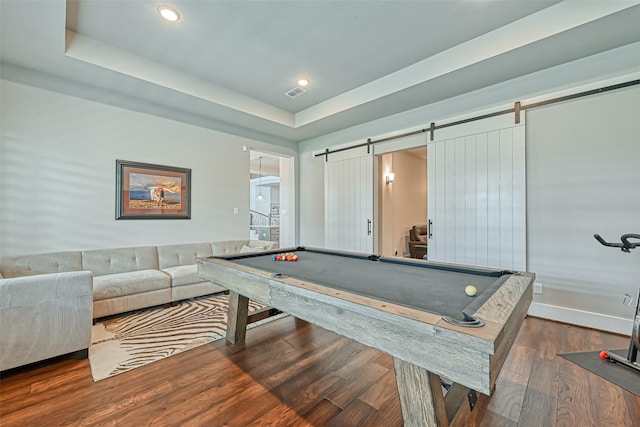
<point x="295" y="92"/>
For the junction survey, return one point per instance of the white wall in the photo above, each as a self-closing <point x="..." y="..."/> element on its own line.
<point x="311" y="203"/>
<point x="57" y="182"/>
<point x="287" y="202"/>
<point x="582" y="178"/>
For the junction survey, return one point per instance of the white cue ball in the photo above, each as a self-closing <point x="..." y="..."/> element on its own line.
<point x="470" y="290"/>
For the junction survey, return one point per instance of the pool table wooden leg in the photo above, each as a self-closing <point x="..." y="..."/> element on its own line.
<point x="237" y="317"/>
<point x="422" y="400"/>
<point x="421" y="396"/>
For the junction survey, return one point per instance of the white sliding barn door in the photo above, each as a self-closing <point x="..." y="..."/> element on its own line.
<point x="348" y="184"/>
<point x="477" y="194"/>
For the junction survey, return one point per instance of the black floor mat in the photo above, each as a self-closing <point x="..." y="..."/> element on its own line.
<point x="620" y="375"/>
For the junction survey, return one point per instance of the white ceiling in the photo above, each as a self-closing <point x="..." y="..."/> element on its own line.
<point x="227" y="64"/>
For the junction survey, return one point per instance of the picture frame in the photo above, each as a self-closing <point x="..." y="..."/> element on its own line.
<point x="148" y="191"/>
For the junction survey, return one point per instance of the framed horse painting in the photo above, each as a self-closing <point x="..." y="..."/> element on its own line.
<point x="146" y="191"/>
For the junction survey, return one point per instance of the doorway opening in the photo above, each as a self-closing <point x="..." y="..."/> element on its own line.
<point x="272" y="198"/>
<point x="402" y="202"/>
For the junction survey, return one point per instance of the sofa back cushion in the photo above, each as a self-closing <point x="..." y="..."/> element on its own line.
<point x="120" y="260"/>
<point x="183" y="254"/>
<point x="29" y="265"/>
<point x="231" y="247"/>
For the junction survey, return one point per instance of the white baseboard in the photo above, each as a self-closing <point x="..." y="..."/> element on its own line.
<point x="588" y="319"/>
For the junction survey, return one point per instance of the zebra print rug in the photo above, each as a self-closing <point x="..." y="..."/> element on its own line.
<point x="126" y="342"/>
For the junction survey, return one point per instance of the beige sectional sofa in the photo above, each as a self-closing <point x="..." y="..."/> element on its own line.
<point x="44" y="316"/>
<point x="47" y="301"/>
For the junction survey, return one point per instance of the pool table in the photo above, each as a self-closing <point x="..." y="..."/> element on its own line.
<point x="415" y="310"/>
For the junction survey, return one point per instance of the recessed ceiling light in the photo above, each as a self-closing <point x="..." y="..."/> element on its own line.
<point x="303" y="82"/>
<point x="169" y="13"/>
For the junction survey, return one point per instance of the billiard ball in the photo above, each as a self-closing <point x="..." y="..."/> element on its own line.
<point x="470" y="290"/>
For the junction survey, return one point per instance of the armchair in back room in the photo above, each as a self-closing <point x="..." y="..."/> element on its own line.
<point x="418" y="236"/>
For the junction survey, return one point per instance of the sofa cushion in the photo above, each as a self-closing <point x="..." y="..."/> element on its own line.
<point x="245" y="249"/>
<point x="230" y="247"/>
<point x="183" y="275"/>
<point x="29" y="265"/>
<point x="134" y="282"/>
<point x="184" y="254"/>
<point x="122" y="260"/>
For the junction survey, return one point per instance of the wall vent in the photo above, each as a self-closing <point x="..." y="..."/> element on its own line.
<point x="295" y="92"/>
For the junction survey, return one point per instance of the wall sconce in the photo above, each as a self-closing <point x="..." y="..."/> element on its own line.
<point x="389" y="177"/>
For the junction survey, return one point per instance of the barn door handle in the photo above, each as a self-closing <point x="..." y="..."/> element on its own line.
<point x="369" y="227"/>
<point x="430" y="229"/>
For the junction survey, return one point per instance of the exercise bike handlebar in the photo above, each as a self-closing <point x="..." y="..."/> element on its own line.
<point x="625" y="246"/>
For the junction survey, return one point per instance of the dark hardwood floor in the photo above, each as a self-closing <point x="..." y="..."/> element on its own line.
<point x="292" y="373"/>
